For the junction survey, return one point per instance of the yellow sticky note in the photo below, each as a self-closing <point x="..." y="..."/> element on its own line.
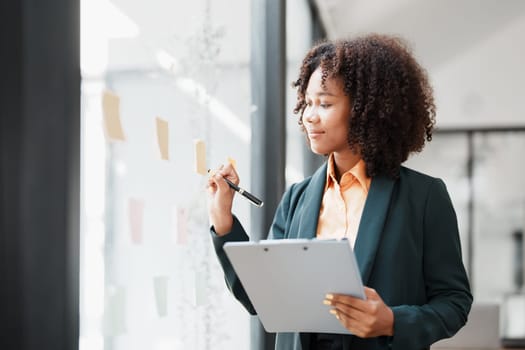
<point x="200" y="157"/>
<point x="163" y="138"/>
<point x="232" y="162"/>
<point x="136" y="215"/>
<point x="111" y="111"/>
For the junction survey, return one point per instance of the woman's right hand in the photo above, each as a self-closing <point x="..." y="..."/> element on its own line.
<point x="220" y="199"/>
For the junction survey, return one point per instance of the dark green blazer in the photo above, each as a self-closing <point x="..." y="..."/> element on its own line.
<point x="407" y="249"/>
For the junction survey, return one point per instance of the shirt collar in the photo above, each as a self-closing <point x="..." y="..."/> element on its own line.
<point x="357" y="172"/>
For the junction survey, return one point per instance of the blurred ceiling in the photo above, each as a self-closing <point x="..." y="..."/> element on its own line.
<point x="438" y="30"/>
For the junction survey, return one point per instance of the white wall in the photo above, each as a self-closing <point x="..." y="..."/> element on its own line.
<point x="472" y="49"/>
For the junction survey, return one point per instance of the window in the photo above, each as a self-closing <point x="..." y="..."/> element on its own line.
<point x="149" y="276"/>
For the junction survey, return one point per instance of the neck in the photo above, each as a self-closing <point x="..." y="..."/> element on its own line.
<point x="345" y="162"/>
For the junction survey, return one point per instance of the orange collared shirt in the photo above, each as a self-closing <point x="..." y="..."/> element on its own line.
<point x="343" y="202"/>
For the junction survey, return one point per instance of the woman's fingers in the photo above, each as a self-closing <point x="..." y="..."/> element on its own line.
<point x="365" y="318"/>
<point x="220" y="202"/>
<point x="220" y="193"/>
<point x="211" y="186"/>
<point x="347" y="300"/>
<point x="349" y="322"/>
<point x="228" y="171"/>
<point x="217" y="182"/>
<point x="222" y="185"/>
<point x="349" y="311"/>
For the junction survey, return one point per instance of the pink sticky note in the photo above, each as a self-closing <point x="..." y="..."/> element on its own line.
<point x="136" y="217"/>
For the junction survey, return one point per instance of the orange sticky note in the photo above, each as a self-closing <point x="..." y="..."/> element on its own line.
<point x="163" y="138"/>
<point x="136" y="217"/>
<point x="200" y="157"/>
<point x="232" y="162"/>
<point x="111" y="112"/>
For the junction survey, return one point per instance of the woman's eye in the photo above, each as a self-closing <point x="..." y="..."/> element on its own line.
<point x="325" y="105"/>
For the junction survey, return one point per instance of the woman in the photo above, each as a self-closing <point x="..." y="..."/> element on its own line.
<point x="367" y="105"/>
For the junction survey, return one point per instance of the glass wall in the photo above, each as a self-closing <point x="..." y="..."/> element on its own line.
<point x="298" y="42"/>
<point x="499" y="213"/>
<point x="158" y="76"/>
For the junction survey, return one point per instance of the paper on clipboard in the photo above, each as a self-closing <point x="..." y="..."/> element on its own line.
<point x="287" y="280"/>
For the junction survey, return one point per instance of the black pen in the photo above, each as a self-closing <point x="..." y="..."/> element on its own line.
<point x="254" y="200"/>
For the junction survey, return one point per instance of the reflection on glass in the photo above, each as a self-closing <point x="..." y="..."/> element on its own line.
<point x="150" y="278"/>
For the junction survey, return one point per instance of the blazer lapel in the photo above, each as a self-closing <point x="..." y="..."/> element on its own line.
<point x="372" y="223"/>
<point x="309" y="206"/>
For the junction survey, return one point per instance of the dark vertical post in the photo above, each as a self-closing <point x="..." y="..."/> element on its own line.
<point x="11" y="330"/>
<point x="517" y="266"/>
<point x="39" y="174"/>
<point x="318" y="29"/>
<point x="312" y="161"/>
<point x="470" y="231"/>
<point x="268" y="76"/>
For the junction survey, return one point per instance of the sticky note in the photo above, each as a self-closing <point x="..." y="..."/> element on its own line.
<point x="160" y="288"/>
<point x="163" y="138"/>
<point x="201" y="297"/>
<point x="136" y="216"/>
<point x="111" y="112"/>
<point x="180" y="225"/>
<point x="232" y="162"/>
<point x="115" y="311"/>
<point x="200" y="157"/>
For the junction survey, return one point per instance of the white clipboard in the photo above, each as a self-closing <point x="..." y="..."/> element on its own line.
<point x="287" y="280"/>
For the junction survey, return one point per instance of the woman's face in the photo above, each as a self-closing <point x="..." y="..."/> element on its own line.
<point x="326" y="115"/>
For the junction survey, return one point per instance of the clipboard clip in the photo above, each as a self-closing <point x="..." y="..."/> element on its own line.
<point x="266" y="249"/>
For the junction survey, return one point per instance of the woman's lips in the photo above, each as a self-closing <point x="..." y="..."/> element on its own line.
<point x="313" y="134"/>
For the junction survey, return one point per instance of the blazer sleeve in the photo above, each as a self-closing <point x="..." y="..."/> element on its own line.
<point x="238" y="234"/>
<point x="447" y="287"/>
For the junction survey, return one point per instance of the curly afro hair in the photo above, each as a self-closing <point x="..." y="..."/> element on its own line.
<point x="393" y="110"/>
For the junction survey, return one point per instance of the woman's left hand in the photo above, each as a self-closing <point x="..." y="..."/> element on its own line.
<point x="363" y="318"/>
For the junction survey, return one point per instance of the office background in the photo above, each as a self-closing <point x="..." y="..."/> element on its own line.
<point x="105" y="244"/>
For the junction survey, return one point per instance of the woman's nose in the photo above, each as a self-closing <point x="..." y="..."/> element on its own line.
<point x="310" y="115"/>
